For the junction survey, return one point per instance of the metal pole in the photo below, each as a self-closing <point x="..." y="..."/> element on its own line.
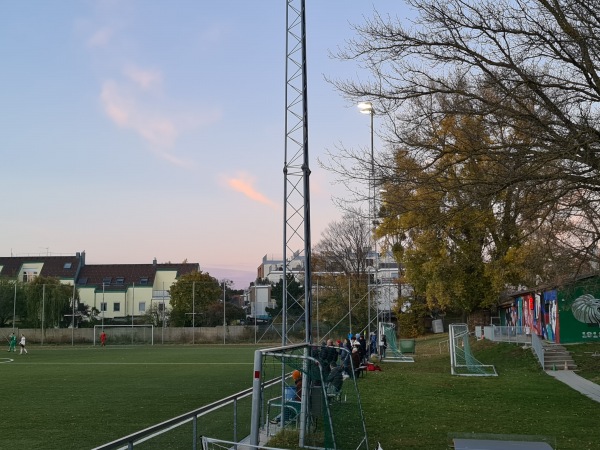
<point x="349" y="309"/>
<point x="15" y="306"/>
<point x="73" y="318"/>
<point x="318" y="332"/>
<point x="372" y="219"/>
<point x="43" y="308"/>
<point x="103" y="306"/>
<point x="224" y="317"/>
<point x="132" y="309"/>
<point x="163" y="314"/>
<point x="193" y="312"/>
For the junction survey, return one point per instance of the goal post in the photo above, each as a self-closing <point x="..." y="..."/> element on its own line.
<point x="462" y="361"/>
<point x="125" y="334"/>
<point x="291" y="392"/>
<point x="393" y="353"/>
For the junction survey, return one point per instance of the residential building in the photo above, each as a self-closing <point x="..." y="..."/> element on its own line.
<point x="120" y="290"/>
<point x="27" y="268"/>
<point x="384" y="280"/>
<point x="271" y="269"/>
<point x="260" y="300"/>
<point x="113" y="290"/>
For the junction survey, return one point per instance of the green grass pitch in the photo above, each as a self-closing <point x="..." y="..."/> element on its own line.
<point x="82" y="397"/>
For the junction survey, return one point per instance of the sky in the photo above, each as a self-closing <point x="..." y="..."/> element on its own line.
<point x="142" y="129"/>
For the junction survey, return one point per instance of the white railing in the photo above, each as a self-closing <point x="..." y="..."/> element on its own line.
<point x="538" y="348"/>
<point x="515" y="334"/>
<point x="160" y="294"/>
<point x="154" y="431"/>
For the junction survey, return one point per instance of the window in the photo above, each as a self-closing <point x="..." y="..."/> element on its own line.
<point x="161" y="307"/>
<point x="29" y="276"/>
<point x="83" y="280"/>
<point x="67" y="265"/>
<point x="119" y="281"/>
<point x="117" y="307"/>
<point x="142" y="307"/>
<point x="102" y="306"/>
<point x="144" y="280"/>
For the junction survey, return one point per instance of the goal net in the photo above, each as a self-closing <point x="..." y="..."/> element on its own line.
<point x="393" y="352"/>
<point x="125" y="334"/>
<point x="299" y="397"/>
<point x="462" y="361"/>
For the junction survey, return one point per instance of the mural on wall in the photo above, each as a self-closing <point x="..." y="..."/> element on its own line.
<point x="586" y="309"/>
<point x="579" y="310"/>
<point x="568" y="314"/>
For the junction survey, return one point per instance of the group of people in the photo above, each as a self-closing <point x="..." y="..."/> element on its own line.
<point x="12" y="343"/>
<point x="337" y="361"/>
<point x="353" y="358"/>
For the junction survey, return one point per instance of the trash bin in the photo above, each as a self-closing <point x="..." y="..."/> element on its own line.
<point x="407" y="345"/>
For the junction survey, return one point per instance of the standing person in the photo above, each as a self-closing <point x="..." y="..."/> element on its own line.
<point x="103" y="339"/>
<point x="355" y="360"/>
<point x="363" y="348"/>
<point x="383" y="345"/>
<point x="373" y="343"/>
<point x="12" y="342"/>
<point x="22" y="344"/>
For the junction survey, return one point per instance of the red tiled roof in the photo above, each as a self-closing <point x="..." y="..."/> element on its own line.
<point x="68" y="267"/>
<point x="91" y="275"/>
<point x="62" y="267"/>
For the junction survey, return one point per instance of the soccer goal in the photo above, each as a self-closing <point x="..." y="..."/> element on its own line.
<point x="393" y="352"/>
<point x="125" y="334"/>
<point x="292" y="391"/>
<point x="462" y="361"/>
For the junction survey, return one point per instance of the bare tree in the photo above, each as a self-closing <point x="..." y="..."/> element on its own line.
<point x="344" y="246"/>
<point x="528" y="70"/>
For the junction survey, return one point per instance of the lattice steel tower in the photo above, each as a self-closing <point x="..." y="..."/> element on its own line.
<point x="296" y="232"/>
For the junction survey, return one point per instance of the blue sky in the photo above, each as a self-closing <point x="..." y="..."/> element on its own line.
<point x="135" y="129"/>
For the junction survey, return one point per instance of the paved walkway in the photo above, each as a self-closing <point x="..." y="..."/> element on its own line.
<point x="586" y="387"/>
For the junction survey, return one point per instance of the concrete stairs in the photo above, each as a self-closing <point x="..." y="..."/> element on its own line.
<point x="557" y="357"/>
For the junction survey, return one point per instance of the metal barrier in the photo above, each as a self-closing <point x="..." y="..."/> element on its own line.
<point x="515" y="334"/>
<point x="538" y="348"/>
<point x="163" y="427"/>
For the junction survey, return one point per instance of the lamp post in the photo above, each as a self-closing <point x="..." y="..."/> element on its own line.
<point x="103" y="306"/>
<point x="224" y="316"/>
<point x="14" y="307"/>
<point x="367" y="108"/>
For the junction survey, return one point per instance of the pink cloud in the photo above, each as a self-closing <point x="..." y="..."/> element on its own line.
<point x="145" y="79"/>
<point x="122" y="109"/>
<point x="244" y="185"/>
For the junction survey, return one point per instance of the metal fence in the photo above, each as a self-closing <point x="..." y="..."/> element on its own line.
<point x="157" y="435"/>
<point x="514" y="334"/>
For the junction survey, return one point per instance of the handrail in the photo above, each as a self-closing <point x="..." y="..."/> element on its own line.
<point x="538" y="348"/>
<point x="131" y="439"/>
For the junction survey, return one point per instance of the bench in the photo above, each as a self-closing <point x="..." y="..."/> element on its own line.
<point x="291" y="411"/>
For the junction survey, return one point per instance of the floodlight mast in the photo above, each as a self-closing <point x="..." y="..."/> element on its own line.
<point x="296" y="230"/>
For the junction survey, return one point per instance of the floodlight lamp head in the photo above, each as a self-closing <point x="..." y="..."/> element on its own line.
<point x="366" y="107"/>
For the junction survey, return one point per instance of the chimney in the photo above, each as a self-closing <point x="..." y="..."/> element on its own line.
<point x="154" y="262"/>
